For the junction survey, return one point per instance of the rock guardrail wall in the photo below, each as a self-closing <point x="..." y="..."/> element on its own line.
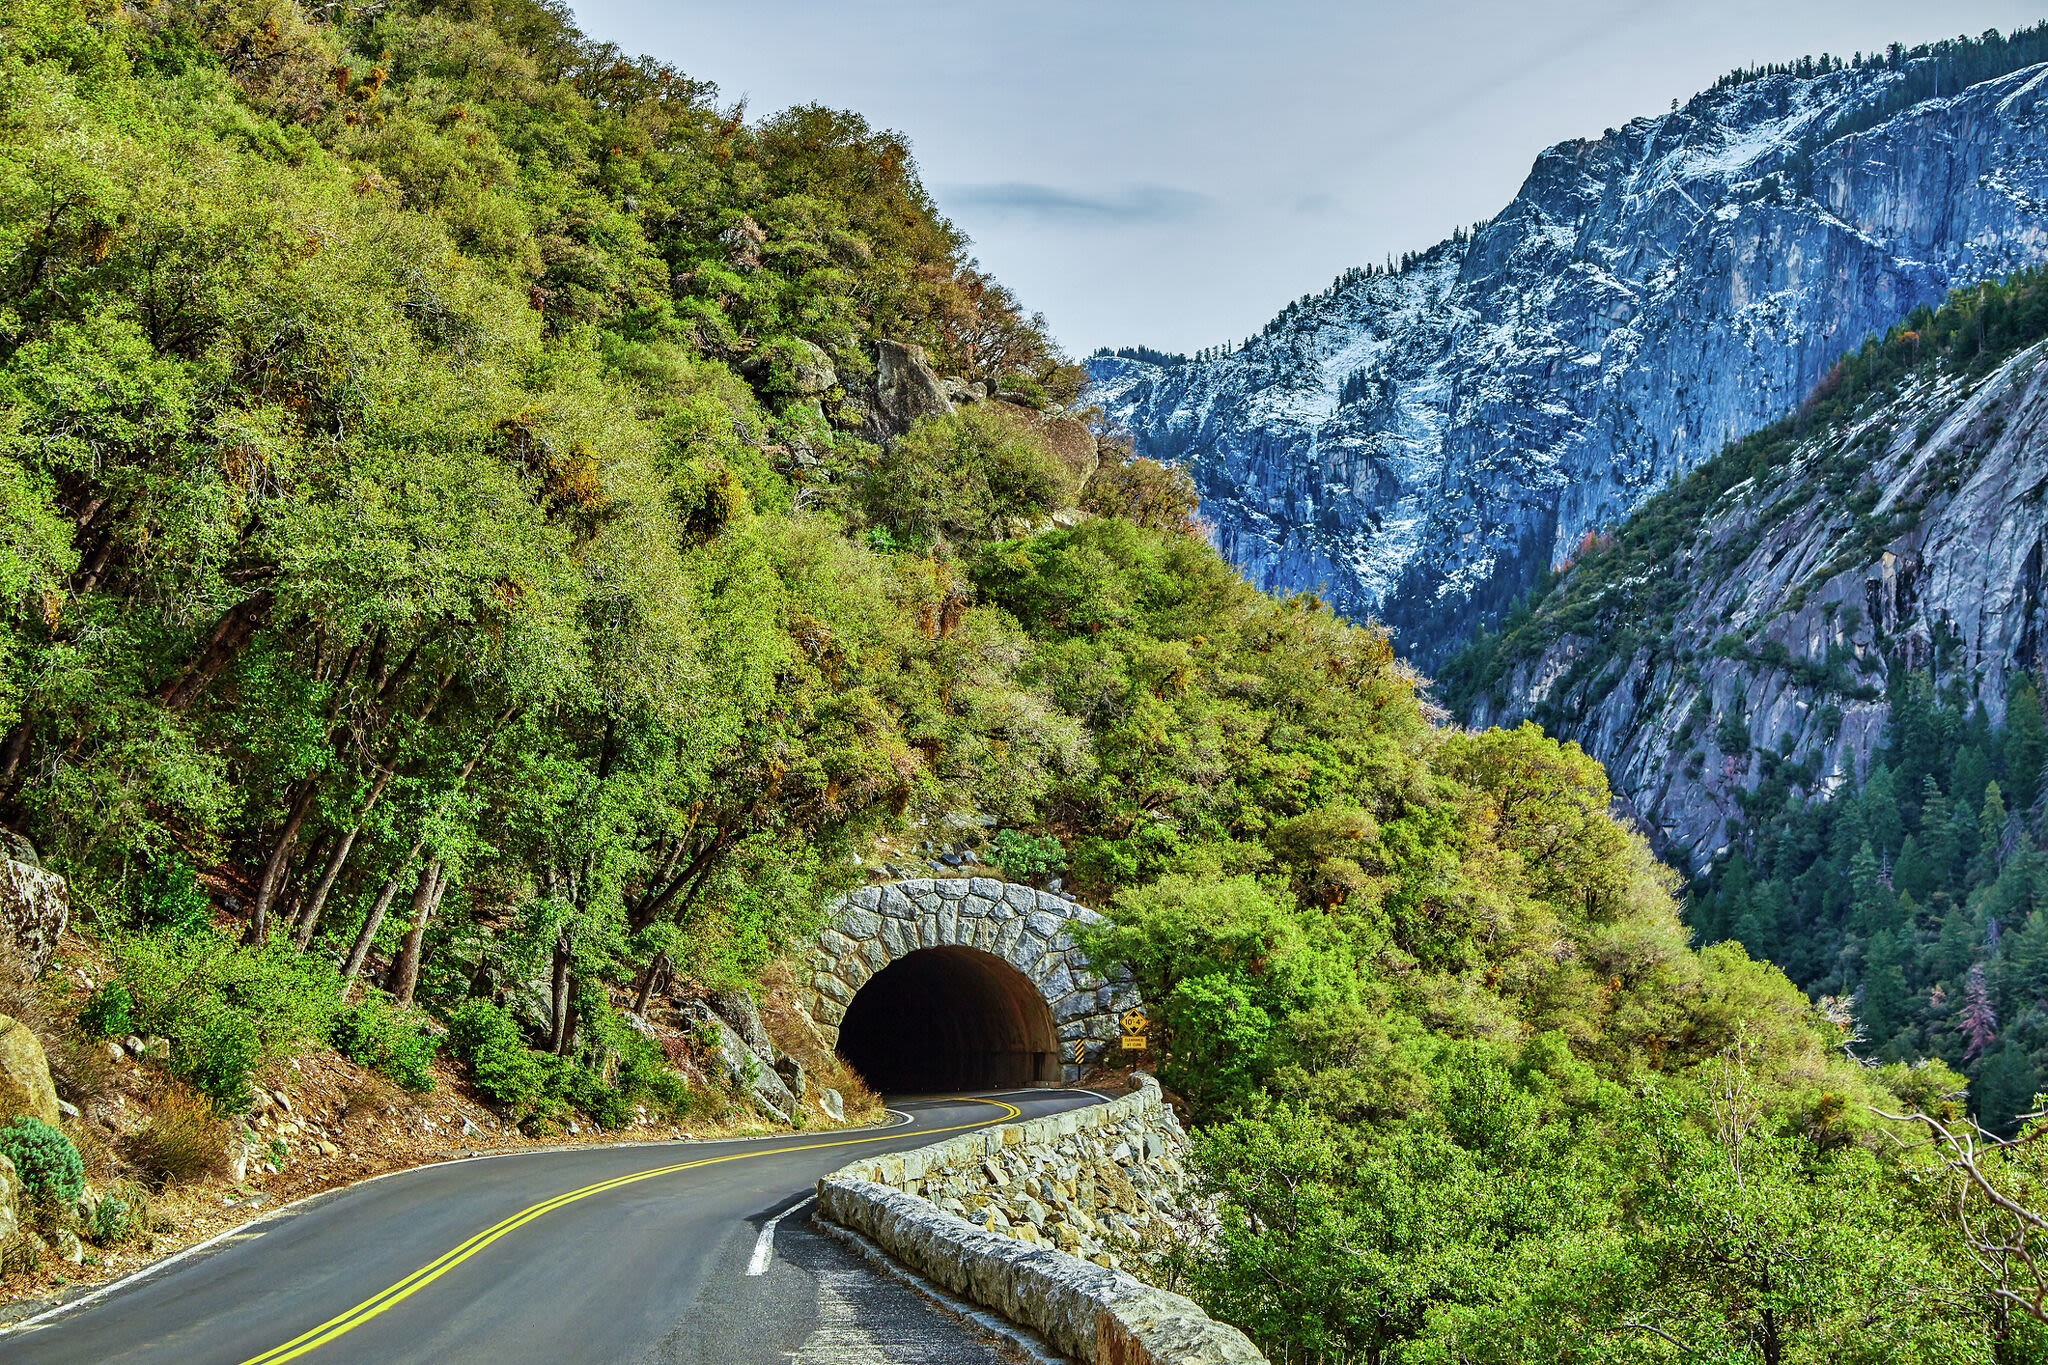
<point x="1084" y="1309"/>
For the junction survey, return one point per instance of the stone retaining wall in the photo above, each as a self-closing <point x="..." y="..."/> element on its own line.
<point x="1084" y="1180"/>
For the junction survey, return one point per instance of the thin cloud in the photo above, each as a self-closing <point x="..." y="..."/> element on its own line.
<point x="1137" y="204"/>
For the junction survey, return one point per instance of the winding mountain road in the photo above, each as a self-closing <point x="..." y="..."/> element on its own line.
<point x="654" y="1254"/>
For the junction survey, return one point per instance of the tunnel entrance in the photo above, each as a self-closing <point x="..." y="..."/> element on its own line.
<point x="949" y="1019"/>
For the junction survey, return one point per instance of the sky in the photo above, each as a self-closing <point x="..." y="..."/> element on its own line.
<point x="1171" y="172"/>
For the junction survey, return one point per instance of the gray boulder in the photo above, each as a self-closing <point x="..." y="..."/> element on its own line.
<point x="738" y="1009"/>
<point x="25" y="1085"/>
<point x="34" y="906"/>
<point x="906" y="390"/>
<point x="742" y="1067"/>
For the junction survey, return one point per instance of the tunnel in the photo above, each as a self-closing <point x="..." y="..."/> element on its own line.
<point x="949" y="1018"/>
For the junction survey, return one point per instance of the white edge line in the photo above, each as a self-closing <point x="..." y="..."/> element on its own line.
<point x="764" y="1245"/>
<point x="137" y="1276"/>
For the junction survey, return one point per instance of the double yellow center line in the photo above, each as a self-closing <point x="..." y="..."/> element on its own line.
<point x="419" y="1279"/>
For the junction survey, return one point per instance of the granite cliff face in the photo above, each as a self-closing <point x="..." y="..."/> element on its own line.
<point x="1911" y="537"/>
<point x="1421" y="445"/>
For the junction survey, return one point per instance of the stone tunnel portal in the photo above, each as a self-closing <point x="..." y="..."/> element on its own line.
<point x="949" y="1018"/>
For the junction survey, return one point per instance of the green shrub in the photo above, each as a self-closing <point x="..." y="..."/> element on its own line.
<point x="169" y="897"/>
<point x="121" y="1214"/>
<point x="225" y="1007"/>
<point x="483" y="1038"/>
<point x="378" y="1035"/>
<point x="644" y="1076"/>
<point x="216" y="1052"/>
<point x="1028" y="857"/>
<point x="108" y="1013"/>
<point x="44" y="1158"/>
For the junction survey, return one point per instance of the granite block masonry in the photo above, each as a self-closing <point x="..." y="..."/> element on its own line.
<point x="1021" y="1220"/>
<point x="1028" y="929"/>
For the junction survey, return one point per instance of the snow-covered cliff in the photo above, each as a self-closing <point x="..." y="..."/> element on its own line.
<point x="1645" y="298"/>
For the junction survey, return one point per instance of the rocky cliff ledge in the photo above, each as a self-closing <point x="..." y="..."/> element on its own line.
<point x="1912" y="538"/>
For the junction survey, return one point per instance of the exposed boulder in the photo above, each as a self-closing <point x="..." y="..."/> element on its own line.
<point x="741" y="1066"/>
<point x="15" y="845"/>
<point x="34" y="905"/>
<point x="25" y="1086"/>
<point x="738" y="1009"/>
<point x="10" y="1200"/>
<point x="792" y="1072"/>
<point x="1067" y="438"/>
<point x="958" y="391"/>
<point x="829" y="1100"/>
<point x="791" y="366"/>
<point x="906" y="389"/>
<point x="1074" y="444"/>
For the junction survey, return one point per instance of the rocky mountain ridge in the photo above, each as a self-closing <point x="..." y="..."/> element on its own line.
<point x="1423" y="444"/>
<point x="1767" y="629"/>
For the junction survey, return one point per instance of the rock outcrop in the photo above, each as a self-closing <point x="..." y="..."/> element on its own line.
<point x="1422" y="444"/>
<point x="746" y="1070"/>
<point x="10" y="1200"/>
<point x="25" y="1085"/>
<point x="35" y="904"/>
<point x="906" y="389"/>
<point x="1918" y="527"/>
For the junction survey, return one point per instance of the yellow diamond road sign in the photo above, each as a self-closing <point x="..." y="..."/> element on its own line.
<point x="1134" y="1021"/>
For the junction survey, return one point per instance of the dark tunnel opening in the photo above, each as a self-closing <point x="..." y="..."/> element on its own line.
<point x="949" y="1019"/>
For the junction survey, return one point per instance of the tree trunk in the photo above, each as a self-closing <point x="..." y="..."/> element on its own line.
<point x="273" y="869"/>
<point x="656" y="979"/>
<point x="372" y="922"/>
<point x="405" y="972"/>
<point x="17" y="745"/>
<point x="309" y="917"/>
<point x="559" y="1020"/>
<point x="692" y="876"/>
<point x="229" y="639"/>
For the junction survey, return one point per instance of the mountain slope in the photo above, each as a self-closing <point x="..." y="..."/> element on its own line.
<point x="1754" y="620"/>
<point x="1423" y="445"/>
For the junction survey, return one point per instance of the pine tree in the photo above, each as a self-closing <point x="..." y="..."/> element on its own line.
<point x="1938" y="843"/>
<point x="1990" y="834"/>
<point x="2026" y="742"/>
<point x="2004" y="1089"/>
<point x="1911" y="873"/>
<point x="1887" y="1001"/>
<point x="1957" y="944"/>
<point x="2025" y="974"/>
<point x="1876" y="907"/>
<point x="1879" y="808"/>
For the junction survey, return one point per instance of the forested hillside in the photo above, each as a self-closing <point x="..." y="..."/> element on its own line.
<point x="1822" y="653"/>
<point x="470" y="567"/>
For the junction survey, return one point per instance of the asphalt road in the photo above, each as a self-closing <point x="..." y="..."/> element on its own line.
<point x="638" y="1255"/>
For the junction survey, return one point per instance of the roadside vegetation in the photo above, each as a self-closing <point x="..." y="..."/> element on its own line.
<point x="458" y="591"/>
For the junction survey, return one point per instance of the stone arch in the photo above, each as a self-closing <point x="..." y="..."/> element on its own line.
<point x="997" y="934"/>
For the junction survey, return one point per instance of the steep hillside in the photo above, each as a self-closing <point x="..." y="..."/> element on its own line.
<point x="1424" y="444"/>
<point x="1761" y="614"/>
